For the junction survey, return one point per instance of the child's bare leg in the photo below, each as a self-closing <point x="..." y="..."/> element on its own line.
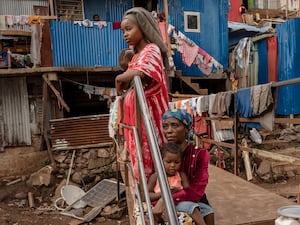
<point x="197" y="217"/>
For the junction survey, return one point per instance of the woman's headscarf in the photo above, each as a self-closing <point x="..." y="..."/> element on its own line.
<point x="184" y="117"/>
<point x="150" y="29"/>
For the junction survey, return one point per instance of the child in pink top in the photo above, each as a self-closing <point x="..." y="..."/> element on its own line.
<point x="177" y="180"/>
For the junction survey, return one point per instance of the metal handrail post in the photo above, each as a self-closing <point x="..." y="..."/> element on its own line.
<point x="162" y="177"/>
<point x="142" y="174"/>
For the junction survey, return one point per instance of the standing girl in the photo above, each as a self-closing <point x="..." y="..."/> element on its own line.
<point x="140" y="31"/>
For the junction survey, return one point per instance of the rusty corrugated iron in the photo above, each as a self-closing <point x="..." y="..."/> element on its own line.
<point x="80" y="132"/>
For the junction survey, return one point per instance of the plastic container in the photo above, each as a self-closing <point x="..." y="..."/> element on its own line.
<point x="282" y="220"/>
<point x="255" y="136"/>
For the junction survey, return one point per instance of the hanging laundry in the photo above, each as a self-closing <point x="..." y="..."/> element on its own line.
<point x="34" y="20"/>
<point x="188" y="53"/>
<point x="9" y="20"/>
<point x="89" y="89"/>
<point x="162" y="28"/>
<point x="261" y="98"/>
<point x="116" y="25"/>
<point x="101" y="24"/>
<point x="2" y="22"/>
<point x="243" y="102"/>
<point x="24" y="20"/>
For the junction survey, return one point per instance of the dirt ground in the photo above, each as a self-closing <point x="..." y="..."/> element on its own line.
<point x="15" y="210"/>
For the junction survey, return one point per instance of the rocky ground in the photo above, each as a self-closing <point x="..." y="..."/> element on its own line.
<point x="281" y="178"/>
<point x="15" y="209"/>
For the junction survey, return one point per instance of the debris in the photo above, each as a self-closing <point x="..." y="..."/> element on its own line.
<point x="14" y="182"/>
<point x="31" y="200"/>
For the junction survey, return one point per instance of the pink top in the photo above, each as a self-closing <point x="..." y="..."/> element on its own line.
<point x="174" y="181"/>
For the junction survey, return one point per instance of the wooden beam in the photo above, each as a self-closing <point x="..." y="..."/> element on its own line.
<point x="259" y="152"/>
<point x="15" y="33"/>
<point x="277" y="120"/>
<point x="51" y="8"/>
<point x="56" y="92"/>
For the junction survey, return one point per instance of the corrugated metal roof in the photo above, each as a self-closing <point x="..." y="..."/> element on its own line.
<point x="14" y="113"/>
<point x="288" y="39"/>
<point x="80" y="46"/>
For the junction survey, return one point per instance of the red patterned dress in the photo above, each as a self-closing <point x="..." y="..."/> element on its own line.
<point x="150" y="62"/>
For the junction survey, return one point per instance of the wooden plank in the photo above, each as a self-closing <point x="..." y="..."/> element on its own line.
<point x="237" y="201"/>
<point x="15" y="33"/>
<point x="38" y="71"/>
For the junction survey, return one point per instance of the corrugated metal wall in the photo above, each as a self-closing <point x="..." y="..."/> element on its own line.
<point x="213" y="37"/>
<point x="108" y="10"/>
<point x="234" y="13"/>
<point x="288" y="37"/>
<point x="20" y="7"/>
<point x="15" y="124"/>
<point x="263" y="62"/>
<point x="80" y="46"/>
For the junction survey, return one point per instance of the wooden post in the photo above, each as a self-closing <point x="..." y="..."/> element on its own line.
<point x="298" y="197"/>
<point x="51" y="8"/>
<point x="291" y="119"/>
<point x="56" y="92"/>
<point x="244" y="71"/>
<point x="9" y="58"/>
<point x="44" y="134"/>
<point x="236" y="146"/>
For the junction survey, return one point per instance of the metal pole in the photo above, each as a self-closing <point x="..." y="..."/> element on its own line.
<point x="162" y="177"/>
<point x="141" y="171"/>
<point x="286" y="82"/>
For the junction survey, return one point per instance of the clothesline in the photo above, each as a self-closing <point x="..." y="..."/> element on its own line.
<point x="95" y="90"/>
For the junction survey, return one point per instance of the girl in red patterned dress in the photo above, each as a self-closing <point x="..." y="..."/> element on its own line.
<point x="140" y="31"/>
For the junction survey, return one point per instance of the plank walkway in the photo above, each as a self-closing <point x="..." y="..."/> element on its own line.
<point x="238" y="202"/>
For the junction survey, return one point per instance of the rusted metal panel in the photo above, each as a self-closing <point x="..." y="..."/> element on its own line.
<point x="78" y="132"/>
<point x="15" y="122"/>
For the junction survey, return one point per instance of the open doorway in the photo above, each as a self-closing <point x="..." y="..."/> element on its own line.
<point x="150" y="5"/>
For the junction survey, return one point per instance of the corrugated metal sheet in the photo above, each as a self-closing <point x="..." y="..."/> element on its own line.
<point x="108" y="10"/>
<point x="213" y="37"/>
<point x="234" y="13"/>
<point x="20" y="7"/>
<point x="80" y="46"/>
<point x="79" y="132"/>
<point x="15" y="123"/>
<point x="263" y="62"/>
<point x="288" y="37"/>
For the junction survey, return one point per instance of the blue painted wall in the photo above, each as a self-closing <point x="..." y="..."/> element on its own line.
<point x="213" y="35"/>
<point x="288" y="36"/>
<point x="263" y="62"/>
<point x="88" y="47"/>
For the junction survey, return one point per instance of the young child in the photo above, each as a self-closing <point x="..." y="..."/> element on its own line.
<point x="171" y="156"/>
<point x="124" y="58"/>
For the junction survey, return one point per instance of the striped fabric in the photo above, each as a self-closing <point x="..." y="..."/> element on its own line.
<point x="149" y="61"/>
